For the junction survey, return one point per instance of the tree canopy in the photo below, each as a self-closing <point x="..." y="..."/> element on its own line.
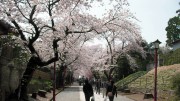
<point x="173" y="30"/>
<point x="70" y="25"/>
<point x="39" y="22"/>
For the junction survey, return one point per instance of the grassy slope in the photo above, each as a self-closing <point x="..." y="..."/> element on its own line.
<point x="129" y="79"/>
<point x="143" y="80"/>
<point x="164" y="75"/>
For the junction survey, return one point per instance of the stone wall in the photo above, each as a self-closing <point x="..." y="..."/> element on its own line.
<point x="10" y="73"/>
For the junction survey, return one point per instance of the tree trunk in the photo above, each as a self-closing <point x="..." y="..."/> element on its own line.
<point x="61" y="76"/>
<point x="21" y="91"/>
<point x="108" y="74"/>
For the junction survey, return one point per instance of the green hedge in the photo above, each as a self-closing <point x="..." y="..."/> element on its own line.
<point x="36" y="84"/>
<point x="170" y="58"/>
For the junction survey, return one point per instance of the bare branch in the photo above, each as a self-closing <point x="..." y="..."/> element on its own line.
<point x="53" y="3"/>
<point x="28" y="3"/>
<point x="20" y="10"/>
<point x="28" y="32"/>
<point x="33" y="11"/>
<point x="110" y="20"/>
<point x="121" y="26"/>
<point x="75" y="6"/>
<point x="55" y="58"/>
<point x="31" y="21"/>
<point x="70" y="32"/>
<point x="18" y="28"/>
<point x="73" y="60"/>
<point x="50" y="7"/>
<point x="46" y="26"/>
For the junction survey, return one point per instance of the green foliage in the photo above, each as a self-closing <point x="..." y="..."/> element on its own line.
<point x="40" y="83"/>
<point x="176" y="85"/>
<point x="48" y="84"/>
<point x="129" y="79"/>
<point x="123" y="69"/>
<point x="20" y="56"/>
<point x="170" y="58"/>
<point x="96" y="74"/>
<point x="173" y="30"/>
<point x="103" y="77"/>
<point x="35" y="81"/>
<point x="141" y="61"/>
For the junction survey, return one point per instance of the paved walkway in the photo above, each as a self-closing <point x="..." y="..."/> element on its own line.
<point x="75" y="93"/>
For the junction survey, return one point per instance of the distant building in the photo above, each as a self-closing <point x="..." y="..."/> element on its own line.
<point x="176" y="45"/>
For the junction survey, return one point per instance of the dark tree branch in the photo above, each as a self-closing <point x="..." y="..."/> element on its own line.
<point x="50" y="7"/>
<point x="110" y="48"/>
<point x="70" y="32"/>
<point x="110" y="72"/>
<point x="122" y="27"/>
<point x="18" y="28"/>
<point x="50" y="14"/>
<point x="75" y="6"/>
<point x="28" y="3"/>
<point x="53" y="3"/>
<point x="20" y="9"/>
<point x="73" y="60"/>
<point x="106" y="74"/>
<point x="28" y="32"/>
<point x="55" y="45"/>
<point x="110" y="20"/>
<point x="55" y="58"/>
<point x="33" y="11"/>
<point x="46" y="26"/>
<point x="31" y="21"/>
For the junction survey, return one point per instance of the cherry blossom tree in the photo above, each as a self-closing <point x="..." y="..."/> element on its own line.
<point x="122" y="35"/>
<point x="43" y="21"/>
<point x="69" y="50"/>
<point x="43" y="25"/>
<point x="120" y="44"/>
<point x="84" y="61"/>
<point x="91" y="59"/>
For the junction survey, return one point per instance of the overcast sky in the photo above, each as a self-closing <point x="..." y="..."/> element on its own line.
<point x="153" y="16"/>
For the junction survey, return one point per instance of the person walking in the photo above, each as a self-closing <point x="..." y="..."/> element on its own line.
<point x="105" y="85"/>
<point x="98" y="86"/>
<point x="111" y="91"/>
<point x="88" y="90"/>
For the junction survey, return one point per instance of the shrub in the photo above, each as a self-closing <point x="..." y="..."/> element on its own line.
<point x="176" y="85"/>
<point x="170" y="58"/>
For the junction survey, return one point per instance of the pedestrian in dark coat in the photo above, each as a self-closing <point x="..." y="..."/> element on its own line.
<point x="98" y="86"/>
<point x="111" y="91"/>
<point x="88" y="90"/>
